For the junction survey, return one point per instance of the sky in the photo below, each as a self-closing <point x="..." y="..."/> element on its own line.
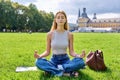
<point x="102" y="8"/>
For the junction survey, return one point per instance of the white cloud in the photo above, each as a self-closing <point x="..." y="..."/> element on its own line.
<point x="109" y="15"/>
<point x="72" y="18"/>
<point x="104" y="9"/>
<point x="106" y="15"/>
<point x="46" y="5"/>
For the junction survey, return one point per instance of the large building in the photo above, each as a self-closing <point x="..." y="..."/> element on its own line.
<point x="84" y="21"/>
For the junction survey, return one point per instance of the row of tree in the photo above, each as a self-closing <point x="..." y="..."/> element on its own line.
<point x="17" y="17"/>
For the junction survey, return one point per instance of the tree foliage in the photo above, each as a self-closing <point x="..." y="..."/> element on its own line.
<point x="17" y="17"/>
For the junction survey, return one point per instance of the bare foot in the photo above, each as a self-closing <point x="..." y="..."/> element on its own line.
<point x="83" y="54"/>
<point x="66" y="74"/>
<point x="75" y="74"/>
<point x="72" y="74"/>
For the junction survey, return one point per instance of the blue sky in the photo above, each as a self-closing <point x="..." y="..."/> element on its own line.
<point x="103" y="8"/>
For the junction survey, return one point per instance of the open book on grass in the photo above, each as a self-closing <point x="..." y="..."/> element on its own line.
<point x="22" y="68"/>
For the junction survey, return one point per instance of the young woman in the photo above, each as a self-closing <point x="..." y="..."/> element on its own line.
<point x="58" y="40"/>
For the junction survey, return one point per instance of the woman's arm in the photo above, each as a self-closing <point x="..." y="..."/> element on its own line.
<point x="71" y="49"/>
<point x="48" y="48"/>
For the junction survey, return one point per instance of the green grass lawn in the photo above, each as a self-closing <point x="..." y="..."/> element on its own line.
<point x="17" y="49"/>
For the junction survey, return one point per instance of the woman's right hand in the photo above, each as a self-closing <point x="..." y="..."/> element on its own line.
<point x="81" y="55"/>
<point x="36" y="55"/>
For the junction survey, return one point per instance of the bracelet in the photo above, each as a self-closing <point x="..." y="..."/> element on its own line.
<point x="40" y="56"/>
<point x="77" y="55"/>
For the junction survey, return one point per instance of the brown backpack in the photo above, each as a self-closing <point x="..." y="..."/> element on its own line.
<point x="95" y="60"/>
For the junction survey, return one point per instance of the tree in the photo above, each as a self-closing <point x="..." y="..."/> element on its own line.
<point x="14" y="16"/>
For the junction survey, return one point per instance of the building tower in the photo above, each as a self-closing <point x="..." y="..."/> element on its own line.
<point x="94" y="17"/>
<point x="78" y="16"/>
<point x="84" y="14"/>
<point x="79" y="13"/>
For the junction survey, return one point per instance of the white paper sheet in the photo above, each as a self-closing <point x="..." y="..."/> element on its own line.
<point x="22" y="68"/>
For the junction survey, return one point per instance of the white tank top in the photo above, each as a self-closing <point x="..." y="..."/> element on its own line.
<point x="59" y="42"/>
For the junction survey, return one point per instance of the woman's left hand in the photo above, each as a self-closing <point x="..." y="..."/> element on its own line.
<point x="81" y="55"/>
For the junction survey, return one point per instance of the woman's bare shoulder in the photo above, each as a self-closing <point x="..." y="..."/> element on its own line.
<point x="50" y="33"/>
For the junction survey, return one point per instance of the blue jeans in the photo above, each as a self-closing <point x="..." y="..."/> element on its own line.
<point x="63" y="60"/>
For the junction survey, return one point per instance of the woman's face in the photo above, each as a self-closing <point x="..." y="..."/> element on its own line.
<point x="60" y="19"/>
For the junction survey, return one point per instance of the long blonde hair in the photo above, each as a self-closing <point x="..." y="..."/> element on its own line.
<point x="54" y="25"/>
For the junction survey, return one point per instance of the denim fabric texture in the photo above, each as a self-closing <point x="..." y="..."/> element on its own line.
<point x="60" y="64"/>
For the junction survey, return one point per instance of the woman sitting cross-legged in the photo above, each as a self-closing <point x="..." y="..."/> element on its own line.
<point x="58" y="40"/>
